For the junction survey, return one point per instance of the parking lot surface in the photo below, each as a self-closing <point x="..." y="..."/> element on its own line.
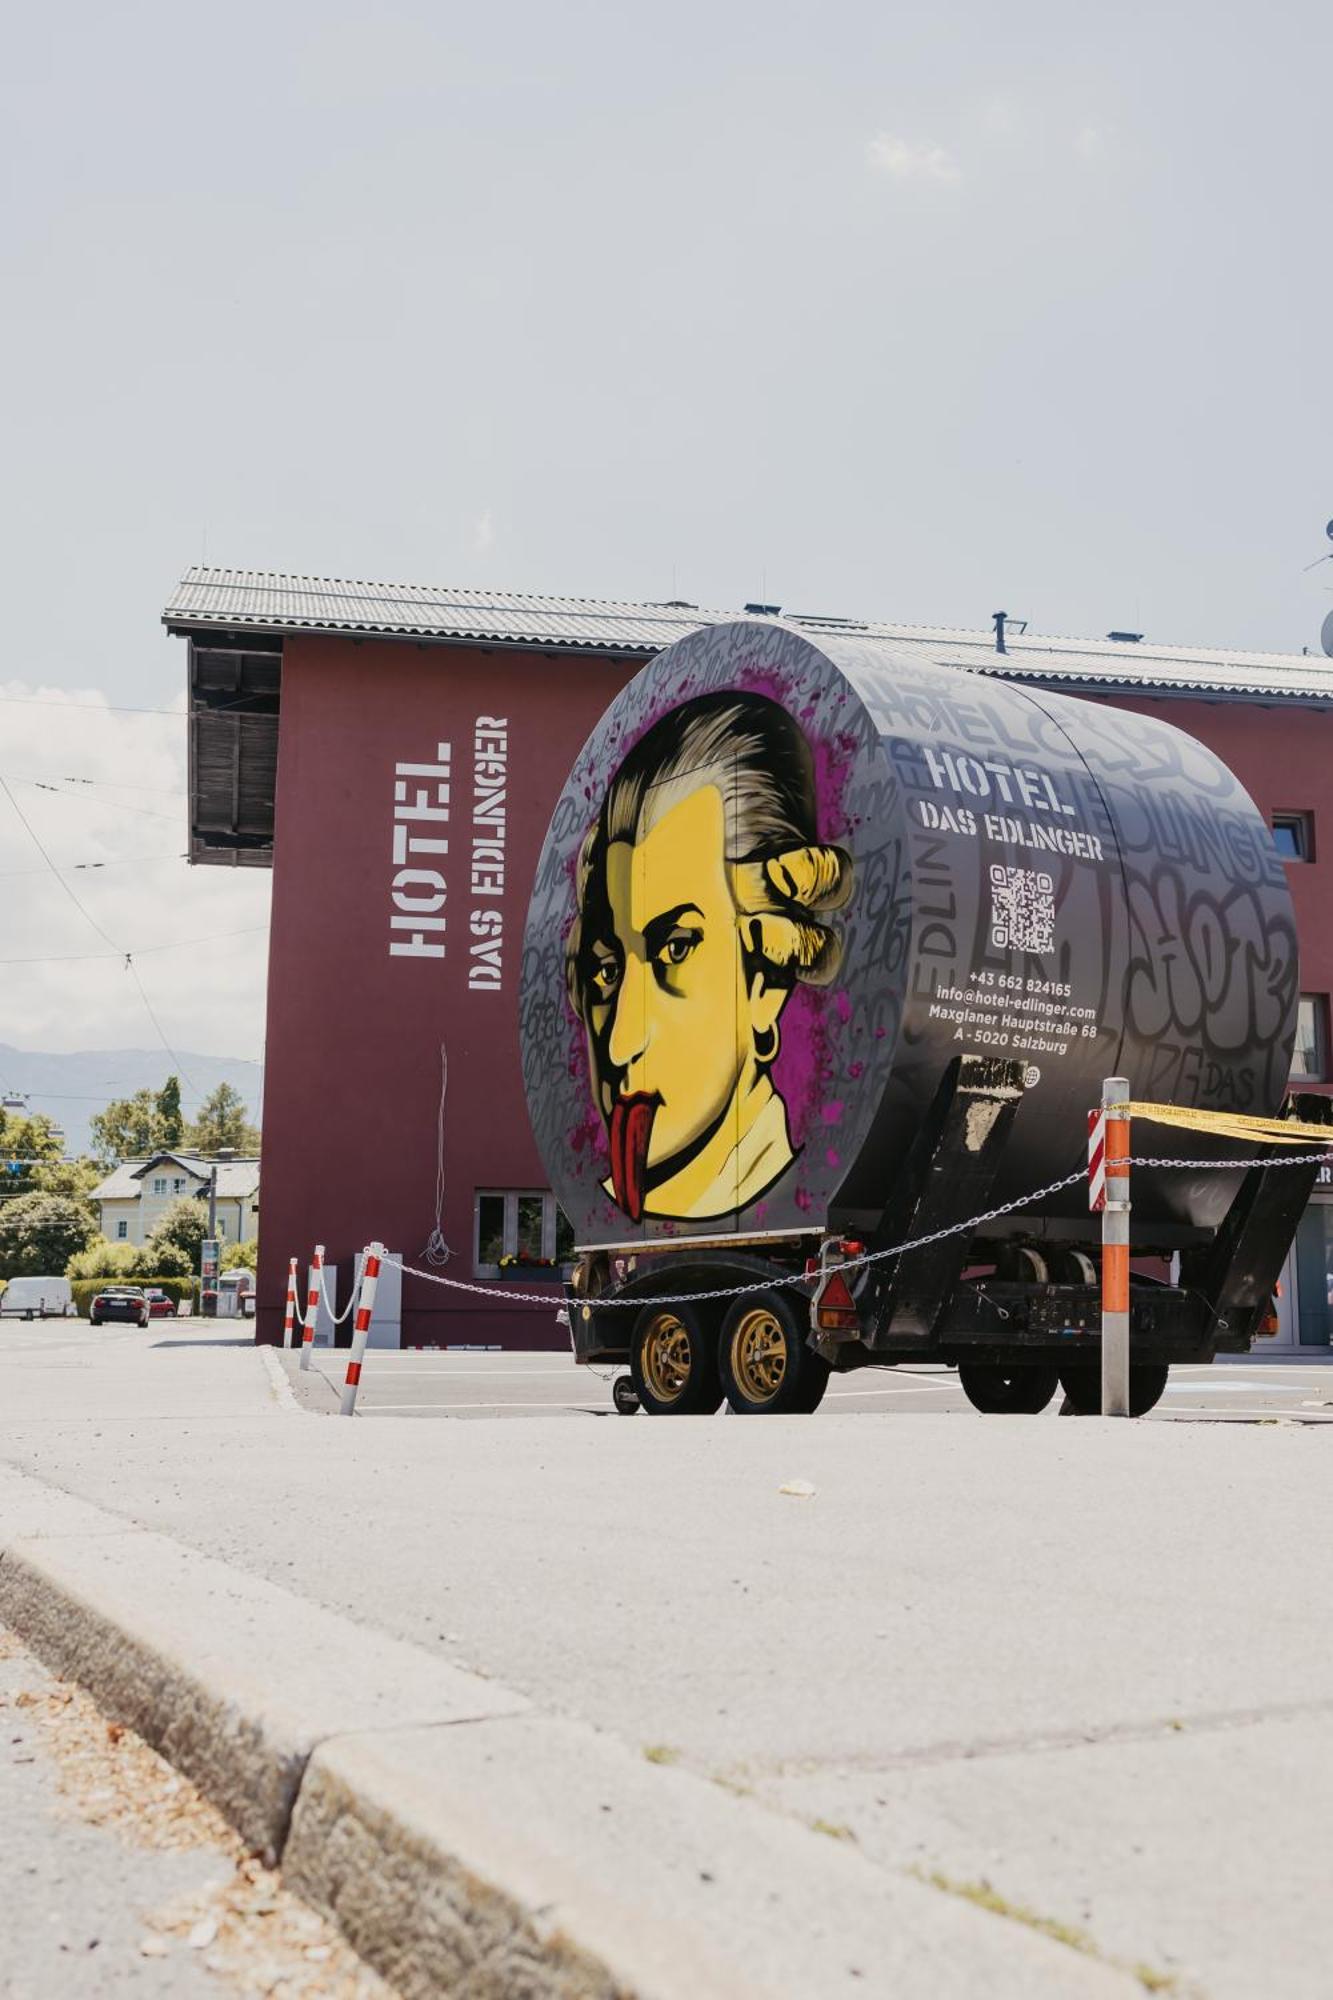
<point x="422" y="1383"/>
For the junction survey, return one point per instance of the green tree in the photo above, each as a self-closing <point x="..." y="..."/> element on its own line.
<point x="39" y="1233"/>
<point x="101" y="1259"/>
<point x="169" y="1112"/>
<point x="130" y="1128"/>
<point x="74" y="1178"/>
<point x="182" y="1226"/>
<point x="223" y="1123"/>
<point x="160" y="1259"/>
<point x="241" y="1256"/>
<point x="23" y="1139"/>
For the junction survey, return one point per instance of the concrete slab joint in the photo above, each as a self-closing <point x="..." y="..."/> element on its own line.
<point x="465" y="1843"/>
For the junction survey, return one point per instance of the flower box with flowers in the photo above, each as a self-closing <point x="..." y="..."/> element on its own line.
<point x="523" y="1270"/>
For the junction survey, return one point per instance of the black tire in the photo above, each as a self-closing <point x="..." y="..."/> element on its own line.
<point x="1011" y="1388"/>
<point x="625" y="1397"/>
<point x="673" y="1360"/>
<point x="764" y="1359"/>
<point x="1082" y="1384"/>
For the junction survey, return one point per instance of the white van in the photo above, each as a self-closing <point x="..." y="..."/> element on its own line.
<point x="38" y="1298"/>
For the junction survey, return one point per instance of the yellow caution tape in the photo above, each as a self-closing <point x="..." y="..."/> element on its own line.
<point x="1228" y="1124"/>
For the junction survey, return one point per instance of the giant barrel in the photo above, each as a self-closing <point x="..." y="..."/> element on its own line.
<point x="787" y="882"/>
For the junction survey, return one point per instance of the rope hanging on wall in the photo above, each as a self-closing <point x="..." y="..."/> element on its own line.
<point x="437" y="1249"/>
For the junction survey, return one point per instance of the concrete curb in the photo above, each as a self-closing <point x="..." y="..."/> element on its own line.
<point x="467" y="1844"/>
<point x="283" y="1393"/>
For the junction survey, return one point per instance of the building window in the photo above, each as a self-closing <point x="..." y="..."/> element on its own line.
<point x="1309" y="1058"/>
<point x="222" y="1228"/>
<point x="159" y="1184"/>
<point x="1314" y="1274"/>
<point x="1293" y="835"/>
<point x="122" y="1230"/>
<point x="523" y="1226"/>
<point x="178" y="1187"/>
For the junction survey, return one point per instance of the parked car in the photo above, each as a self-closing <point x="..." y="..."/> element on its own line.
<point x="160" y="1304"/>
<point x="38" y="1298"/>
<point x="127" y="1302"/>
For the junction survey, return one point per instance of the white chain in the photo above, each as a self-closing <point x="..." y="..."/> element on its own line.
<point x="604" y="1303"/>
<point x="338" y="1318"/>
<point x="770" y="1283"/>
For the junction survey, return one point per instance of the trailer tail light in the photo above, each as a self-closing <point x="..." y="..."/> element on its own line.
<point x="835" y="1308"/>
<point x="1267" y="1328"/>
<point x="850" y="1249"/>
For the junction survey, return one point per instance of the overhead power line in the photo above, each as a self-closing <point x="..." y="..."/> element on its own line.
<point x="118" y="805"/>
<point x="91" y="920"/>
<point x="112" y="861"/>
<point x="174" y="944"/>
<point x="32" y="834"/>
<point x="120" y="708"/>
<point x="98" y="784"/>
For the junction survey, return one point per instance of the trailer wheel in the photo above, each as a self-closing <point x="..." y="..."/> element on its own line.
<point x="1013" y="1388"/>
<point x="1082" y="1384"/>
<point x="673" y="1361"/>
<point x="625" y="1397"/>
<point x="765" y="1361"/>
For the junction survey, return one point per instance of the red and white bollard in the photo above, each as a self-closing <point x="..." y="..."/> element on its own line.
<point x="289" y="1310"/>
<point x="312" y="1304"/>
<point x="370" y="1272"/>
<point x="1115" y="1250"/>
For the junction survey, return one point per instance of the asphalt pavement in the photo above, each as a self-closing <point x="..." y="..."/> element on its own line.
<point x="1077" y="1668"/>
<point x="424" y="1383"/>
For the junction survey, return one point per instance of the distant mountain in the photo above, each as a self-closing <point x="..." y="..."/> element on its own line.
<point x="70" y="1088"/>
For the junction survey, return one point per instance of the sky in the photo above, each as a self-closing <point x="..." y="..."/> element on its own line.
<point x="899" y="313"/>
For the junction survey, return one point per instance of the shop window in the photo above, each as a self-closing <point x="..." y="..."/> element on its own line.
<point x="1309" y="1059"/>
<point x="1314" y="1274"/>
<point x="1293" y="835"/>
<point x="122" y="1230"/>
<point x="520" y="1229"/>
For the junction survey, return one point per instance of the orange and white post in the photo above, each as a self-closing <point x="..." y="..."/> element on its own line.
<point x="289" y="1310"/>
<point x="370" y="1274"/>
<point x="312" y="1304"/>
<point x="1115" y="1251"/>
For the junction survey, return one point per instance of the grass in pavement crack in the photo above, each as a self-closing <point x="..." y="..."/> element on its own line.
<point x="1075" y="1939"/>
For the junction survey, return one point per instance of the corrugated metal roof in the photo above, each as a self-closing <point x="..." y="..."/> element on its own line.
<point x="1089" y="662"/>
<point x="234" y="598"/>
<point x="230" y="599"/>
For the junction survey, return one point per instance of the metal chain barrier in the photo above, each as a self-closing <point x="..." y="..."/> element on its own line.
<point x="606" y="1304"/>
<point x="771" y="1283"/>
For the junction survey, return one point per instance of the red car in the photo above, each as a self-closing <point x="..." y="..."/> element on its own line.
<point x="161" y="1305"/>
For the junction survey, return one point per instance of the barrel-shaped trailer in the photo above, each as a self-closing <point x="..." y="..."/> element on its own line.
<point x="829" y="951"/>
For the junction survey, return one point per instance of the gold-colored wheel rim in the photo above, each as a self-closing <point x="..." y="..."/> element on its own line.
<point x="667" y="1357"/>
<point x="758" y="1355"/>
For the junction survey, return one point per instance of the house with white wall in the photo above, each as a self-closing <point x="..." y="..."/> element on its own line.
<point x="135" y="1195"/>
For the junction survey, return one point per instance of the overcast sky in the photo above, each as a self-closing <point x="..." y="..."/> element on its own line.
<point x="902" y="313"/>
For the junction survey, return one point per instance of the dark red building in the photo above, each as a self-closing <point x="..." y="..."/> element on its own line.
<point x="393" y="753"/>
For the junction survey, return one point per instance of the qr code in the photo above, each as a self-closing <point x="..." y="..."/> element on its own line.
<point x="1022" y="910"/>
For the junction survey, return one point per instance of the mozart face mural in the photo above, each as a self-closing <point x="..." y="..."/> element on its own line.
<point x="789" y="881"/>
<point x="704" y="896"/>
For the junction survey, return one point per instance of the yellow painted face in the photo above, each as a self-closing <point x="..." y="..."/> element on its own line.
<point x="668" y="1005"/>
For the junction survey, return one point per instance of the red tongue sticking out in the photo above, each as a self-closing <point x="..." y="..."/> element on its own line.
<point x="631" y="1125"/>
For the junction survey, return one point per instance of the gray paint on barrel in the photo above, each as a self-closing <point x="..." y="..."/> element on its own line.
<point x="1032" y="876"/>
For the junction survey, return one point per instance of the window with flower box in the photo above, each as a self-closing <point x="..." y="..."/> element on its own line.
<point x="520" y="1232"/>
